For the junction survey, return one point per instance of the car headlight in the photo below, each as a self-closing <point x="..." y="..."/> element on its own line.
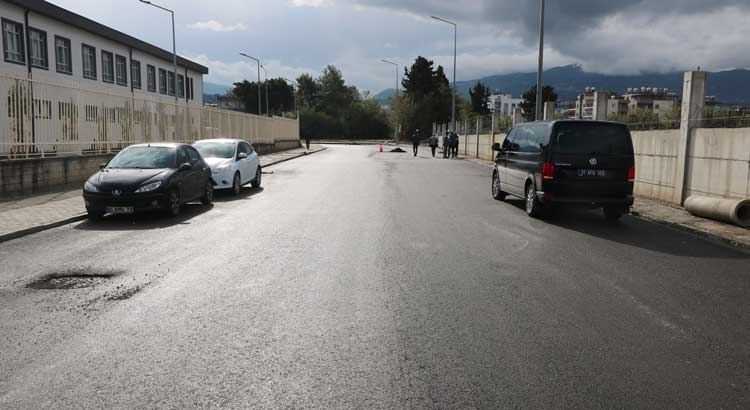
<point x="221" y="169"/>
<point x="89" y="187"/>
<point x="148" y="188"/>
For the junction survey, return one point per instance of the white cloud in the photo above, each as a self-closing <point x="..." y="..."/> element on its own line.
<point x="310" y="3"/>
<point x="213" y="25"/>
<point x="228" y="73"/>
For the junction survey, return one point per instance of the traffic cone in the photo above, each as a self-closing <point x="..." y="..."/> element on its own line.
<point x="381" y="148"/>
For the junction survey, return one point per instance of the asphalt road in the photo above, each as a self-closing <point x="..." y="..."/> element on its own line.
<point x="365" y="280"/>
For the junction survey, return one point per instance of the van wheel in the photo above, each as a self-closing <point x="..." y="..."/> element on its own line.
<point x="613" y="214"/>
<point x="497" y="192"/>
<point x="94" y="216"/>
<point x="533" y="207"/>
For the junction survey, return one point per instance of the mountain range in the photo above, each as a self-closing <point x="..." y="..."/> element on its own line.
<point x="731" y="87"/>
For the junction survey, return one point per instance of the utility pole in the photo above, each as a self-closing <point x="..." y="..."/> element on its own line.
<point x="398" y="126"/>
<point x="174" y="52"/>
<point x="257" y="61"/>
<point x="455" y="46"/>
<point x="539" y="86"/>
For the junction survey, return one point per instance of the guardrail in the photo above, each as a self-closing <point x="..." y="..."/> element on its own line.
<point x="40" y="119"/>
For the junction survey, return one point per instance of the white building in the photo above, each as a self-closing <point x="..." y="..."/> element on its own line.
<point x="504" y="103"/>
<point x="47" y="43"/>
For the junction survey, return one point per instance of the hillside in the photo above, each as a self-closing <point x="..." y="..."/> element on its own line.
<point x="729" y="86"/>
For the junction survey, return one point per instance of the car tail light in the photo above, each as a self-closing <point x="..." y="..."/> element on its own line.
<point x="631" y="173"/>
<point x="548" y="170"/>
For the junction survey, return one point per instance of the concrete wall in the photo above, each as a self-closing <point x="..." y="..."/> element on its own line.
<point x="656" y="163"/>
<point x="719" y="163"/>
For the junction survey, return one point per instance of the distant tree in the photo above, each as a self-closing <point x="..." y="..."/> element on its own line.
<point x="280" y="96"/>
<point x="247" y="92"/>
<point x="335" y="96"/>
<point x="480" y="96"/>
<point x="308" y="92"/>
<point x="427" y="90"/>
<point x="528" y="105"/>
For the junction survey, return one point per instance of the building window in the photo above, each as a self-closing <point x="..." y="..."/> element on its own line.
<point x="63" y="60"/>
<point x="108" y="67"/>
<point x="89" y="62"/>
<point x="170" y="77"/>
<point x="162" y="81"/>
<point x="180" y="85"/>
<point x="192" y="89"/>
<point x="38" y="48"/>
<point x="151" y="78"/>
<point x="121" y="70"/>
<point x="13" y="42"/>
<point x="135" y="73"/>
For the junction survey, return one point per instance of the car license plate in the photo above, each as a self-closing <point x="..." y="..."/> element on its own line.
<point x="592" y="173"/>
<point x="119" y="209"/>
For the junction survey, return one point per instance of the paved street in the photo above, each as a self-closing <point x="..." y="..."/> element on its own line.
<point x="356" y="279"/>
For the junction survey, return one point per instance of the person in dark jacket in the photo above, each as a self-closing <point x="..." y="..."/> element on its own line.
<point x="453" y="142"/>
<point x="455" y="145"/>
<point x="307" y="143"/>
<point x="446" y="144"/>
<point x="433" y="144"/>
<point x="415" y="138"/>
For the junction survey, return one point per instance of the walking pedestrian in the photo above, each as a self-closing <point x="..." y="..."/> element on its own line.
<point x="433" y="144"/>
<point x="455" y="145"/>
<point x="307" y="143"/>
<point x="415" y="141"/>
<point x="446" y="144"/>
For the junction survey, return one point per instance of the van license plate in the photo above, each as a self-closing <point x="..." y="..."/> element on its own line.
<point x="592" y="173"/>
<point x="119" y="209"/>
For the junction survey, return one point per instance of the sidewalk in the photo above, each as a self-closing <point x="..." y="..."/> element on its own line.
<point x="25" y="216"/>
<point x="679" y="218"/>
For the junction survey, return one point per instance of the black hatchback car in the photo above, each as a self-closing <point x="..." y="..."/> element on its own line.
<point x="143" y="177"/>
<point x="579" y="163"/>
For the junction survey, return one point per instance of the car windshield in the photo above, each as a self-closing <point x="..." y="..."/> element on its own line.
<point x="587" y="138"/>
<point x="215" y="149"/>
<point x="143" y="158"/>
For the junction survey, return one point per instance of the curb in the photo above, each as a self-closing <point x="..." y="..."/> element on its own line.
<point x="293" y="157"/>
<point x="39" y="228"/>
<point x="80" y="217"/>
<point x="717" y="239"/>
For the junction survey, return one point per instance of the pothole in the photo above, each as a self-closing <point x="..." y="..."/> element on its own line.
<point x="74" y="278"/>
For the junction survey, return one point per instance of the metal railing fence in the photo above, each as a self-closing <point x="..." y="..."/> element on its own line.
<point x="40" y="119"/>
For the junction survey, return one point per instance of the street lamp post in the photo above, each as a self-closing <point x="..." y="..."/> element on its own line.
<point x="268" y="112"/>
<point x="174" y="49"/>
<point x="539" y="103"/>
<point x="296" y="110"/>
<point x="257" y="61"/>
<point x="397" y="130"/>
<point x="455" y="41"/>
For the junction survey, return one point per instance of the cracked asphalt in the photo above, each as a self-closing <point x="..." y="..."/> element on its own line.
<point x="362" y="280"/>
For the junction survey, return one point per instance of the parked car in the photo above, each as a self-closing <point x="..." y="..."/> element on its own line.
<point x="578" y="163"/>
<point x="234" y="163"/>
<point x="147" y="177"/>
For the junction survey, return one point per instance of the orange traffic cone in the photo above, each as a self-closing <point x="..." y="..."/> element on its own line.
<point x="381" y="148"/>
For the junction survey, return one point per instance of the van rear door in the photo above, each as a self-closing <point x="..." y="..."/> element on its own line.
<point x="592" y="158"/>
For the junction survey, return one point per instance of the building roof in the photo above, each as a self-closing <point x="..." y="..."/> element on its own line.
<point x="58" y="13"/>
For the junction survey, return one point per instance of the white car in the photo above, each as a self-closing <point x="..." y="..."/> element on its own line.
<point x="233" y="163"/>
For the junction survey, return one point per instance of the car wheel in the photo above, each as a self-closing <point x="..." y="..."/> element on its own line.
<point x="94" y="216"/>
<point x="236" y="184"/>
<point x="533" y="207"/>
<point x="256" y="181"/>
<point x="613" y="214"/>
<point x="497" y="193"/>
<point x="208" y="193"/>
<point x="173" y="202"/>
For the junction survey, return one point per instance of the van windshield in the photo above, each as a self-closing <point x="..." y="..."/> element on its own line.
<point x="588" y="138"/>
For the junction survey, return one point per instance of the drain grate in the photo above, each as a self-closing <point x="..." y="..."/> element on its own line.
<point x="74" y="278"/>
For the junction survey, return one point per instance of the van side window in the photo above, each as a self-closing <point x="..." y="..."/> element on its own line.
<point x="534" y="137"/>
<point x="511" y="141"/>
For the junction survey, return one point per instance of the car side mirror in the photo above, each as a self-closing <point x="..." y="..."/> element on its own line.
<point x="242" y="155"/>
<point x="496" y="147"/>
<point x="185" y="167"/>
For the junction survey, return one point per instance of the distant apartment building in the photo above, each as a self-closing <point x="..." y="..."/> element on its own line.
<point x="503" y="103"/>
<point x="47" y="43"/>
<point x="659" y="100"/>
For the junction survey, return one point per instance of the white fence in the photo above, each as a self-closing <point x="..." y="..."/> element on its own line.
<point x="39" y="119"/>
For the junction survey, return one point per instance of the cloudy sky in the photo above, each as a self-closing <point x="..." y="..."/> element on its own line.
<point x="495" y="36"/>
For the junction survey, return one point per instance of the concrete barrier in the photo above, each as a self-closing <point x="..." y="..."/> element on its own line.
<point x="734" y="211"/>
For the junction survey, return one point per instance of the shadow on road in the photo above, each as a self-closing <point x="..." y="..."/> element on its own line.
<point x="635" y="232"/>
<point x="225" y="195"/>
<point x="145" y="221"/>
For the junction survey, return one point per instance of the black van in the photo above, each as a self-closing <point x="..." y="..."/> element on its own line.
<point x="580" y="163"/>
